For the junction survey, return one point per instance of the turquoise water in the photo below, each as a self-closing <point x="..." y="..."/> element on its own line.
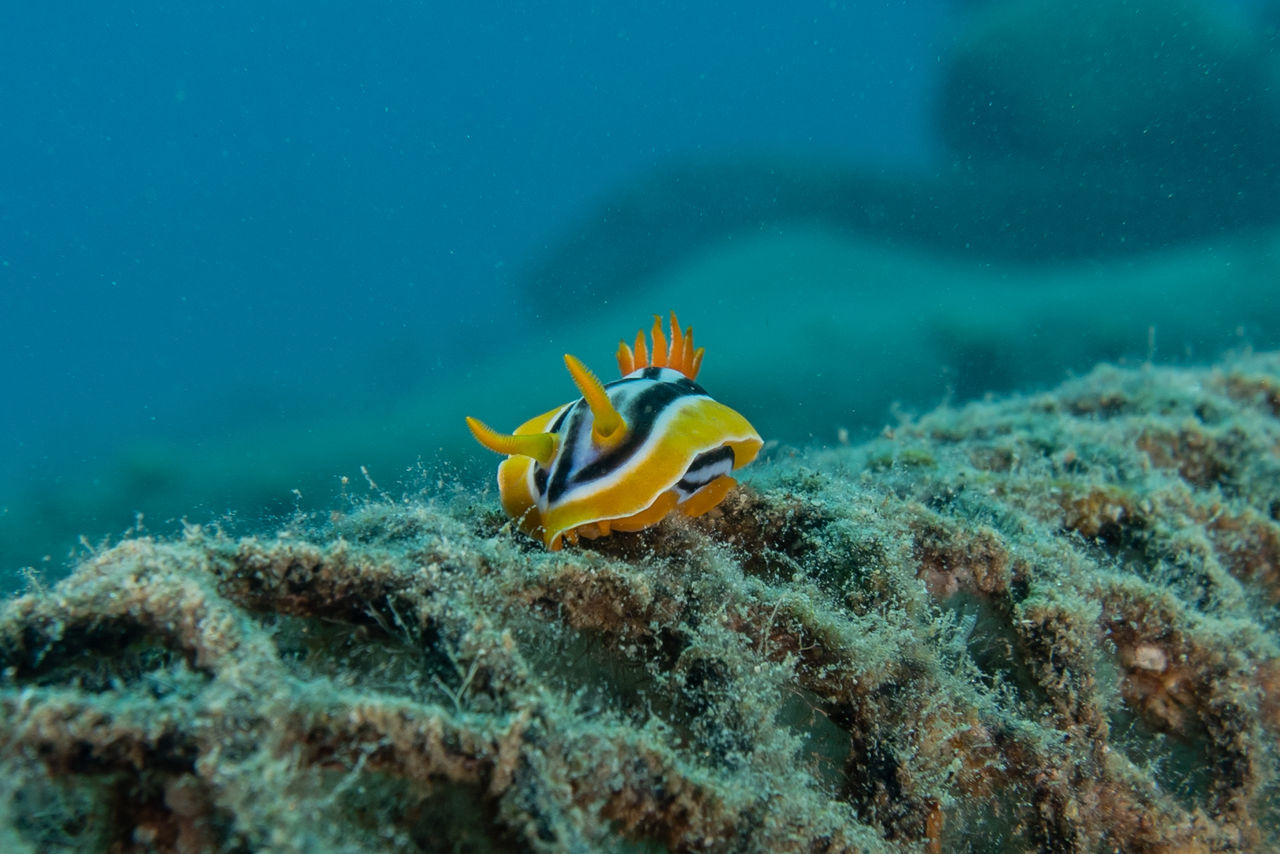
<point x="245" y="251"/>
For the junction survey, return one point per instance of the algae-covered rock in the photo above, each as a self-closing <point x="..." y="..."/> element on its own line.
<point x="1045" y="623"/>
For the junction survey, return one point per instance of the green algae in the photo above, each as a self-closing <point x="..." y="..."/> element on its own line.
<point x="1037" y="623"/>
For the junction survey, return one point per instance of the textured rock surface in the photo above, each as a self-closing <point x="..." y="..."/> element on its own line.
<point x="1044" y="623"/>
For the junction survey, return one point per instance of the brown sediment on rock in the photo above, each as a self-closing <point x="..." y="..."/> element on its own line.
<point x="1248" y="544"/>
<point x="952" y="559"/>
<point x="1256" y="390"/>
<point x="1043" y="623"/>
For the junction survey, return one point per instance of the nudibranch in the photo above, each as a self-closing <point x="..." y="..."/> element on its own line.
<point x="625" y="454"/>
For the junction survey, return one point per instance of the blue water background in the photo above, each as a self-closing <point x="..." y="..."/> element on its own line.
<point x="247" y="210"/>
<point x="220" y="215"/>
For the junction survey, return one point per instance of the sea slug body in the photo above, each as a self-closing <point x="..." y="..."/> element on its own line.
<point x="625" y="454"/>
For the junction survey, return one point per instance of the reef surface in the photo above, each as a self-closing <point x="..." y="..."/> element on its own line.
<point x="1038" y="623"/>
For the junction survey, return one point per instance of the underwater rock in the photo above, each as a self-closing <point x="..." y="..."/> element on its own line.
<point x="1067" y="131"/>
<point x="1182" y="87"/>
<point x="1042" y="623"/>
<point x="989" y="208"/>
